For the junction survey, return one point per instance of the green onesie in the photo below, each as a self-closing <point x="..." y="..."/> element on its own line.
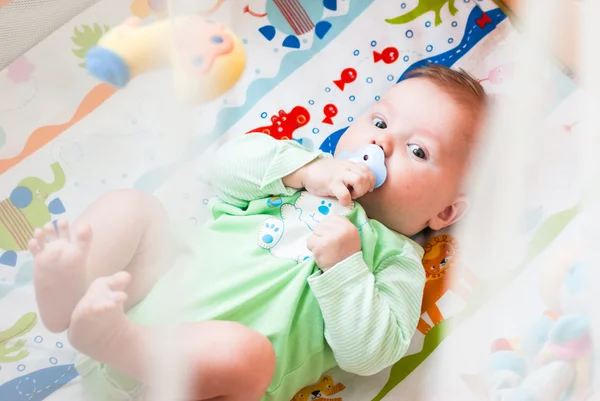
<point x="251" y="265"/>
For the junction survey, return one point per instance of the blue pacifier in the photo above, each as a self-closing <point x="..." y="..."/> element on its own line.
<point x="373" y="157"/>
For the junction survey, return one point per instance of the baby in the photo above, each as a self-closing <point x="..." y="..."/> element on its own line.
<point x="291" y="276"/>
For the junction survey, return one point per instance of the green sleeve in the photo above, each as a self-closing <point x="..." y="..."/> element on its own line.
<point x="251" y="167"/>
<point x="370" y="319"/>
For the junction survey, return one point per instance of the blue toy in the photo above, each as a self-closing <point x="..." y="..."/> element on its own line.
<point x="554" y="359"/>
<point x="373" y="157"/>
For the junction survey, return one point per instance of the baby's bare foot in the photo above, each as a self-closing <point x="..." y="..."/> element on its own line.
<point x="99" y="318"/>
<point x="59" y="272"/>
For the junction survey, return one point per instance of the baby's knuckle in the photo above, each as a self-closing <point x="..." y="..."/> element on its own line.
<point x="350" y="231"/>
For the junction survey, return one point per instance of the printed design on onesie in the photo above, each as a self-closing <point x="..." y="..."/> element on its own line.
<point x="286" y="237"/>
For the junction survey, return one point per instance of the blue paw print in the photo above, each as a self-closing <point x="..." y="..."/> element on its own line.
<point x="324" y="209"/>
<point x="268" y="238"/>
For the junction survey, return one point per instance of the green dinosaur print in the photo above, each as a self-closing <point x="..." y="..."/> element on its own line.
<point x="19" y="329"/>
<point x="423" y="7"/>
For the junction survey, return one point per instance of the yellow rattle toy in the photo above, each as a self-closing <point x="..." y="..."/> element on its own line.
<point x="206" y="57"/>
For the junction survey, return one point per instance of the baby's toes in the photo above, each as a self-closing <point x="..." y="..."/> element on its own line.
<point x="83" y="236"/>
<point x="118" y="298"/>
<point x="35" y="247"/>
<point x="50" y="232"/>
<point x="63" y="229"/>
<point x="38" y="235"/>
<point x="119" y="281"/>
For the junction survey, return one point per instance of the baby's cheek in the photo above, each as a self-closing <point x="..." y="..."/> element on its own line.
<point x="413" y="193"/>
<point x="353" y="139"/>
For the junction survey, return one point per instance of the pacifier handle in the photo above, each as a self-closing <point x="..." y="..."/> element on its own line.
<point x="373" y="157"/>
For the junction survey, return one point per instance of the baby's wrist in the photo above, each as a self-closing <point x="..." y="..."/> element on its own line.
<point x="296" y="179"/>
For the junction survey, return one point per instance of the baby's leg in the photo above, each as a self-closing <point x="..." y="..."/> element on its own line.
<point x="227" y="361"/>
<point x="122" y="230"/>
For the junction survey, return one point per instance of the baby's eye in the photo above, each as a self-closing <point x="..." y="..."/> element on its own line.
<point x="379" y="123"/>
<point x="418" y="151"/>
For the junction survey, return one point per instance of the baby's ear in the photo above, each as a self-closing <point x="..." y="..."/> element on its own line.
<point x="451" y="214"/>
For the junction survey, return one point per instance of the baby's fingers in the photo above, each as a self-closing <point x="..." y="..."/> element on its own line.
<point x="359" y="184"/>
<point x="340" y="191"/>
<point x="312" y="242"/>
<point x="369" y="176"/>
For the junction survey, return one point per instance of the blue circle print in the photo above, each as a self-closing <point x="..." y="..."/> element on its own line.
<point x="427" y="24"/>
<point x="377" y="98"/>
<point x="454" y="24"/>
<point x="263" y="114"/>
<point x="369" y="80"/>
<point x="350" y="119"/>
<point x="59" y="345"/>
<point x="352" y="98"/>
<point x="21" y="368"/>
<point x="276" y="50"/>
<point x="409" y="34"/>
<point x="356" y="52"/>
<point x="405" y="58"/>
<point x="328" y="89"/>
<point x="311" y="102"/>
<point x="38" y="339"/>
<point x="390" y="77"/>
<point x="198" y="60"/>
<point x="450" y="40"/>
<point x="315" y="131"/>
<point x="53" y="360"/>
<point x="429" y="48"/>
<point x="21" y="197"/>
<point x="373" y="43"/>
<point x="403" y="5"/>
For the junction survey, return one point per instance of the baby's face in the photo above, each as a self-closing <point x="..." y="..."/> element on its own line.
<point x="422" y="131"/>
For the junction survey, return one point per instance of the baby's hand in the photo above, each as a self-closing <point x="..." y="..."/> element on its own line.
<point x="341" y="179"/>
<point x="333" y="240"/>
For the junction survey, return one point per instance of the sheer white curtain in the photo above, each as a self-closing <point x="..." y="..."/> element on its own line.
<point x="24" y="23"/>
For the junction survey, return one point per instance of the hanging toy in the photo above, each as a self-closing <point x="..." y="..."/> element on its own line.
<point x="206" y="57"/>
<point x="373" y="157"/>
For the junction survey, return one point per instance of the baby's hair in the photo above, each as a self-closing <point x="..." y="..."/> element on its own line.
<point x="458" y="83"/>
<point x="463" y="88"/>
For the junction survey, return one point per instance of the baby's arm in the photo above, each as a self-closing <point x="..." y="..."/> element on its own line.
<point x="257" y="166"/>
<point x="252" y="167"/>
<point x="370" y="318"/>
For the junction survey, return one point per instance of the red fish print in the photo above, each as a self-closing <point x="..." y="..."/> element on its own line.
<point x="284" y="124"/>
<point x="483" y="21"/>
<point x="348" y="76"/>
<point x="330" y="111"/>
<point x="389" y="55"/>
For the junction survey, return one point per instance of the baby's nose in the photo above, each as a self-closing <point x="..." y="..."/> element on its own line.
<point x="386" y="143"/>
